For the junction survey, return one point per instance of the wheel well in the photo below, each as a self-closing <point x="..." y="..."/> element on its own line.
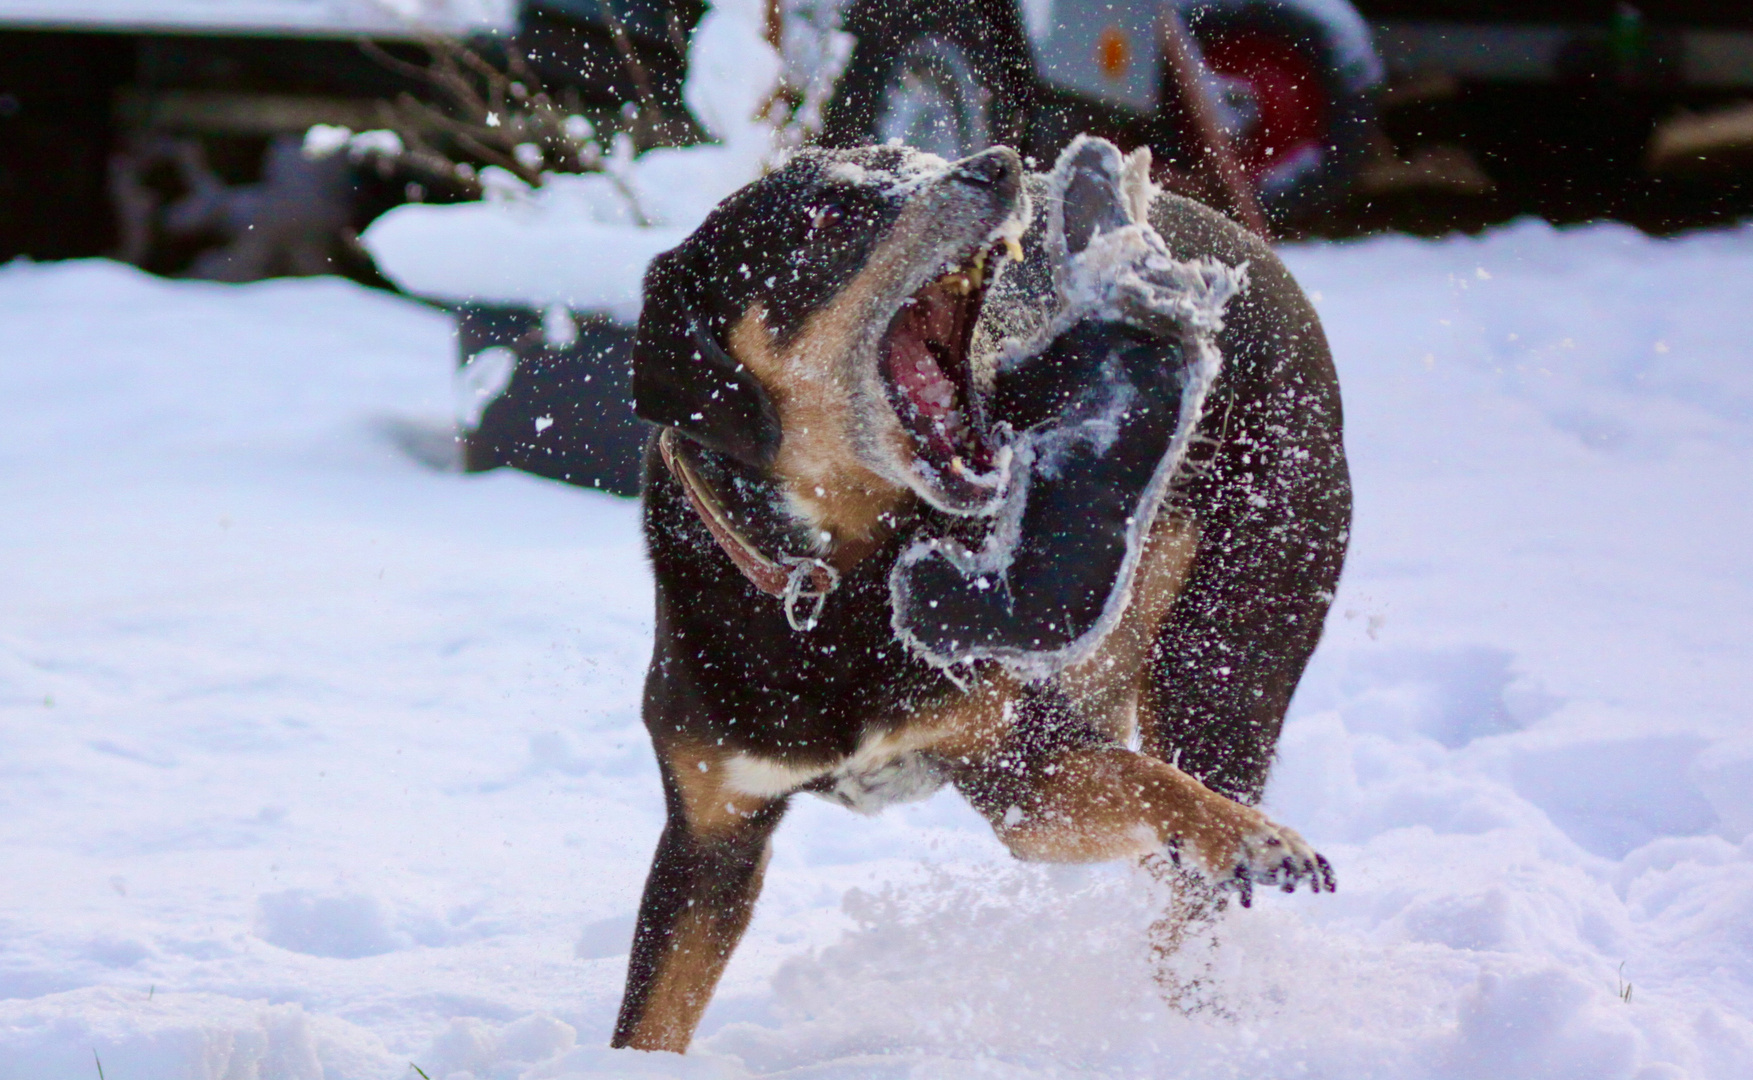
<point x="999" y="21"/>
<point x="990" y="32"/>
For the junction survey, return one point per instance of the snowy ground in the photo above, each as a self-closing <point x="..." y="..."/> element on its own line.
<point x="315" y="762"/>
<point x="337" y="18"/>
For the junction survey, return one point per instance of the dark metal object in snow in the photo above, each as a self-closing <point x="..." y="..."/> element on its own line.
<point x="548" y="394"/>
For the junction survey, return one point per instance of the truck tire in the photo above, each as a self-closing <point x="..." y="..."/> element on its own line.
<point x="948" y="78"/>
<point x="1298" y="81"/>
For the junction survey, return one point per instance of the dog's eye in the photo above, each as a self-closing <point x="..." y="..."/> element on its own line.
<point x="827" y="217"/>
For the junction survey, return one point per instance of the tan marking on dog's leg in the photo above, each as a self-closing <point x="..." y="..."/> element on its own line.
<point x="1105" y="689"/>
<point x="682" y="986"/>
<point x="712" y="800"/>
<point x="690" y="962"/>
<point x="968" y="726"/>
<point x="701" y="891"/>
<point x="1101" y="803"/>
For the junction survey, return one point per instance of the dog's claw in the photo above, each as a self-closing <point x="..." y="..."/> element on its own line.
<point x="1272" y="855"/>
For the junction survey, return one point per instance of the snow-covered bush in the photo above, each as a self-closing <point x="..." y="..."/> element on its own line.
<point x="584" y="240"/>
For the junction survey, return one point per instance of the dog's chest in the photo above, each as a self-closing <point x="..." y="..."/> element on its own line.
<point x="882" y="772"/>
<point x="869" y="787"/>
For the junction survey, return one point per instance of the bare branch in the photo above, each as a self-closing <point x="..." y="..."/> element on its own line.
<point x="494" y="111"/>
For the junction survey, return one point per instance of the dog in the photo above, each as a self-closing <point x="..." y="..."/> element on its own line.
<point x="806" y="445"/>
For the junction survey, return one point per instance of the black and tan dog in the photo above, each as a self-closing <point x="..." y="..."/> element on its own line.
<point x="807" y="355"/>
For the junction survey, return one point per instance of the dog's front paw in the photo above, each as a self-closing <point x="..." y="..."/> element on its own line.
<point x="1265" y="852"/>
<point x="1275" y="855"/>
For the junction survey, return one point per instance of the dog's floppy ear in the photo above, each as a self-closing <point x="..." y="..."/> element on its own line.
<point x="683" y="378"/>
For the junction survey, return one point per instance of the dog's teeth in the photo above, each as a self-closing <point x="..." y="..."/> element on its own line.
<point x="1013" y="248"/>
<point x="957" y="467"/>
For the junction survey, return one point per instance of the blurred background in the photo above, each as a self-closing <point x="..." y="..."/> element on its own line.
<point x="166" y="132"/>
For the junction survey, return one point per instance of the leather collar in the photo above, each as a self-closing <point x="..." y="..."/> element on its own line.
<point x="788" y="577"/>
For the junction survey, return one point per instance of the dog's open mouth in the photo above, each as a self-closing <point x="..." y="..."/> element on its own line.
<point x="930" y="379"/>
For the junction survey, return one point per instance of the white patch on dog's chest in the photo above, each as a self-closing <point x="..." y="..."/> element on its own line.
<point x="884" y="770"/>
<point x="765" y="778"/>
<point x="909" y="777"/>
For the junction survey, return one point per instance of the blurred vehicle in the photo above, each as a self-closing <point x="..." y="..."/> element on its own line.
<point x="167" y="132"/>
<point x="1433" y="113"/>
<point x="1291" y="80"/>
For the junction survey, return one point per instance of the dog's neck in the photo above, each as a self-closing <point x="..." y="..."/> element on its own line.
<point x="768" y="566"/>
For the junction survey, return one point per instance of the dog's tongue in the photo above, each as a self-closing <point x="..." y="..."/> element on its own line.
<point x="928" y="333"/>
<point x="917" y="376"/>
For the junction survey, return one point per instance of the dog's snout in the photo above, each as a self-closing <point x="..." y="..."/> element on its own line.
<point x="998" y="167"/>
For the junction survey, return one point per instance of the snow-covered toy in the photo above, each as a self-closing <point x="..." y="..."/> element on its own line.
<point x="1096" y="407"/>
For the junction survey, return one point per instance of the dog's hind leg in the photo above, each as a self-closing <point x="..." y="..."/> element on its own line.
<point x="1233" y="647"/>
<point x="1270" y="495"/>
<point x="698" y="899"/>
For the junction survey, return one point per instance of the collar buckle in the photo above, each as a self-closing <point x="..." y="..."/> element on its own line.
<point x="808" y="578"/>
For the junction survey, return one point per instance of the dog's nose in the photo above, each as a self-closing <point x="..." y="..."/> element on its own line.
<point x="998" y="167"/>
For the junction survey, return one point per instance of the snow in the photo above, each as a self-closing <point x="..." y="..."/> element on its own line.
<point x="578" y="240"/>
<point x="315" y="762"/>
<point x="341" y="18"/>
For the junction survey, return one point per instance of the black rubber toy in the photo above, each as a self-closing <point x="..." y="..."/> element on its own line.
<point x="1096" y="409"/>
